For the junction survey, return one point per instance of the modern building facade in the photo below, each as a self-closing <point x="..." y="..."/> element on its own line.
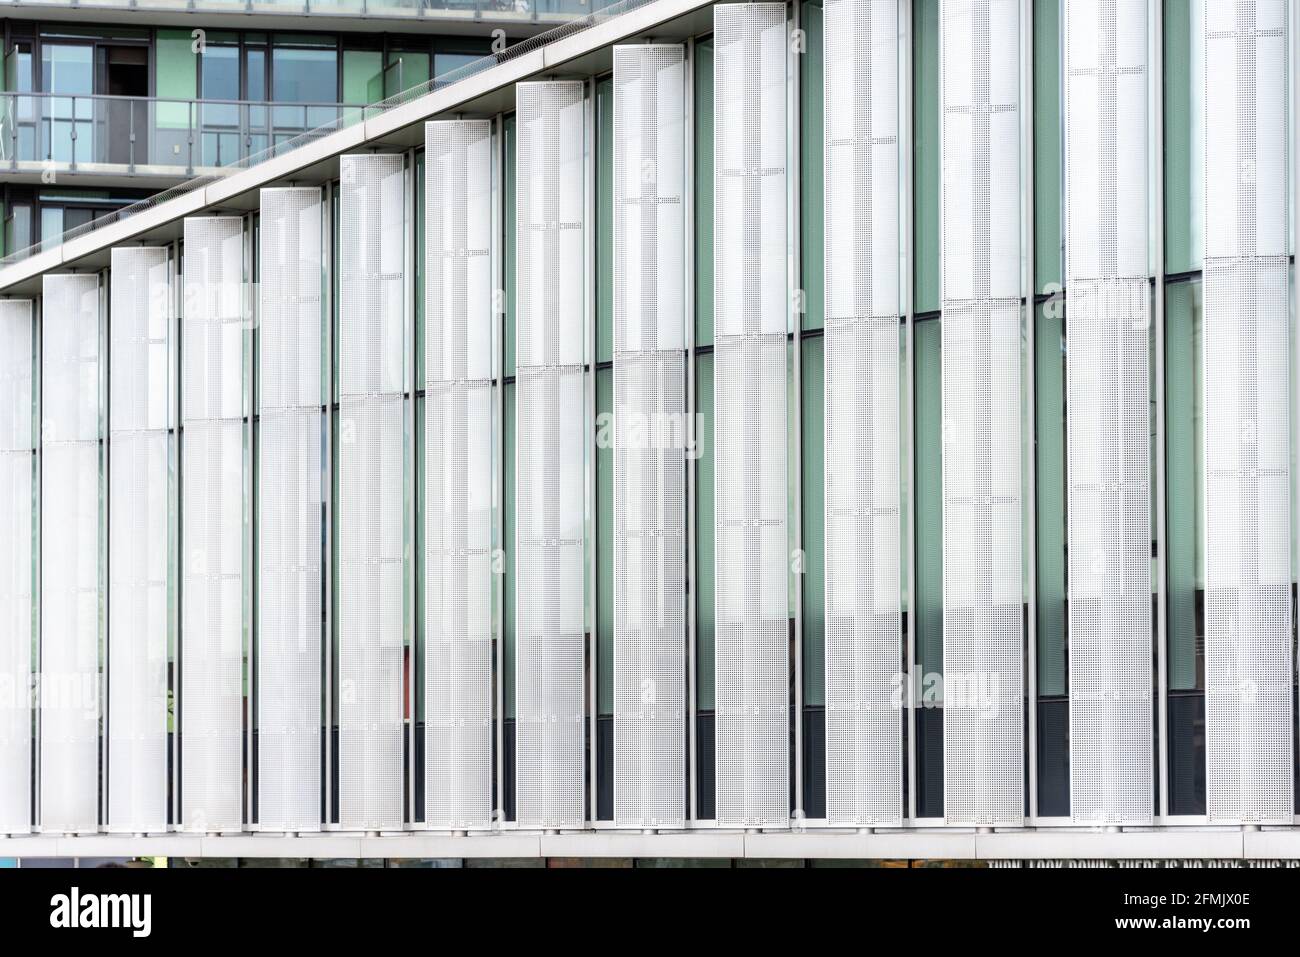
<point x="104" y="104"/>
<point x="838" y="428"/>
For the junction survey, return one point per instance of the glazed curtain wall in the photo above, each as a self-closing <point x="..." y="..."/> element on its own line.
<point x="812" y="422"/>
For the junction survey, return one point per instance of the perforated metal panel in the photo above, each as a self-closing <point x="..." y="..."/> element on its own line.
<point x="70" y="596"/>
<point x="550" y="456"/>
<point x="458" y="446"/>
<point x="1248" y="639"/>
<point x="214" y="325"/>
<point x="141" y="314"/>
<point x="983" y="715"/>
<point x="650" y="435"/>
<point x="752" y="644"/>
<point x="1108" y="413"/>
<point x="16" y="612"/>
<point x="864" y="640"/>
<point x="290" y="511"/>
<point x="372" y="249"/>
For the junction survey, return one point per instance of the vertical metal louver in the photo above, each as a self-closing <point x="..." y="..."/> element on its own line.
<point x="1246" y="394"/>
<point x="751" y="305"/>
<point x="289" y="510"/>
<point x="372" y="355"/>
<point x="1108" y="412"/>
<point x="458" y="442"/>
<point x="983" y="648"/>
<point x="141" y="313"/>
<point x="212" y="525"/>
<point x="16" y="612"/>
<point x="864" y="639"/>
<point x="650" y="436"/>
<point x="550" y="455"/>
<point x="70" y="553"/>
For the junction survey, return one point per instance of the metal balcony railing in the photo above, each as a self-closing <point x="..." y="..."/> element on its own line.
<point x="166" y="135"/>
<point x="523" y="10"/>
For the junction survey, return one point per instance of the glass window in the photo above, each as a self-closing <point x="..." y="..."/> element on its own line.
<point x="925" y="151"/>
<point x="927" y="342"/>
<point x="1049" y="241"/>
<point x="176" y="78"/>
<point x="704" y="194"/>
<point x="303" y="75"/>
<point x="68" y="69"/>
<point x="444" y="63"/>
<point x="1183" y="167"/>
<point x="219" y="122"/>
<point x="812" y="169"/>
<point x="406" y="69"/>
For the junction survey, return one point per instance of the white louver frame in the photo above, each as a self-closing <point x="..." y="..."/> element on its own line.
<point x="214" y="326"/>
<point x="289" y="507"/>
<point x="864" y="636"/>
<point x="550" y="472"/>
<point x="16" y="612"/>
<point x="1108" y="412"/>
<point x="372" y="355"/>
<point x="649" y="434"/>
<point x="458" y="443"/>
<point x="752" y="647"/>
<point x="1248" y="640"/>
<point x="141" y="315"/>
<point x="70" y="553"/>
<point x="983" y="648"/>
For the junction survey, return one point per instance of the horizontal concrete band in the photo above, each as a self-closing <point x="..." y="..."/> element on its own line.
<point x="1166" y="844"/>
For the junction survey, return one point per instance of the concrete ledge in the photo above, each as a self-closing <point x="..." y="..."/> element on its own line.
<point x="614" y="844"/>
<point x="952" y="845"/>
<point x="899" y="845"/>
<point x="1170" y="843"/>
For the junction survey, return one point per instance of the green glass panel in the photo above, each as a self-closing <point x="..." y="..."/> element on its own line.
<point x="1182" y="209"/>
<point x="925" y="153"/>
<point x="929" y="497"/>
<point x="508" y="537"/>
<point x="605" y="548"/>
<point x="1049" y="464"/>
<point x="363" y="76"/>
<point x="704" y="192"/>
<point x="812" y="170"/>
<point x="704" y="532"/>
<point x="812" y="416"/>
<point x="509" y="240"/>
<point x="1048" y="193"/>
<point x="176" y="78"/>
<point x="412" y="71"/>
<point x="605" y="220"/>
<point x="1183" y="481"/>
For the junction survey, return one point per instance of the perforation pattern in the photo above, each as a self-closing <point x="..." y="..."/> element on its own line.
<point x="212" y="525"/>
<point x="650" y="435"/>
<point x="458" y="446"/>
<point x="1248" y="638"/>
<point x="290" y="510"/>
<point x="550" y="454"/>
<point x="1108" y="413"/>
<point x="371" y="529"/>
<point x="141" y="314"/>
<point x="983" y="648"/>
<point x="70" y="673"/>
<point x="864" y="649"/>
<point x="752" y="644"/>
<point x="1108" y="398"/>
<point x="16" y="612"/>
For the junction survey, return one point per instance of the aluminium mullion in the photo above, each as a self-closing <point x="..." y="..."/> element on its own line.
<point x="589" y="429"/>
<point x="249" y="306"/>
<point x="105" y="591"/>
<point x="1029" y="535"/>
<point x="412" y="478"/>
<point x="796" y="305"/>
<point x="688" y="230"/>
<point x="1157" y="134"/>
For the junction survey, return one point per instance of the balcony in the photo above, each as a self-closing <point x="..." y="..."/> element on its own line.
<point x="543" y="12"/>
<point x="146" y="140"/>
